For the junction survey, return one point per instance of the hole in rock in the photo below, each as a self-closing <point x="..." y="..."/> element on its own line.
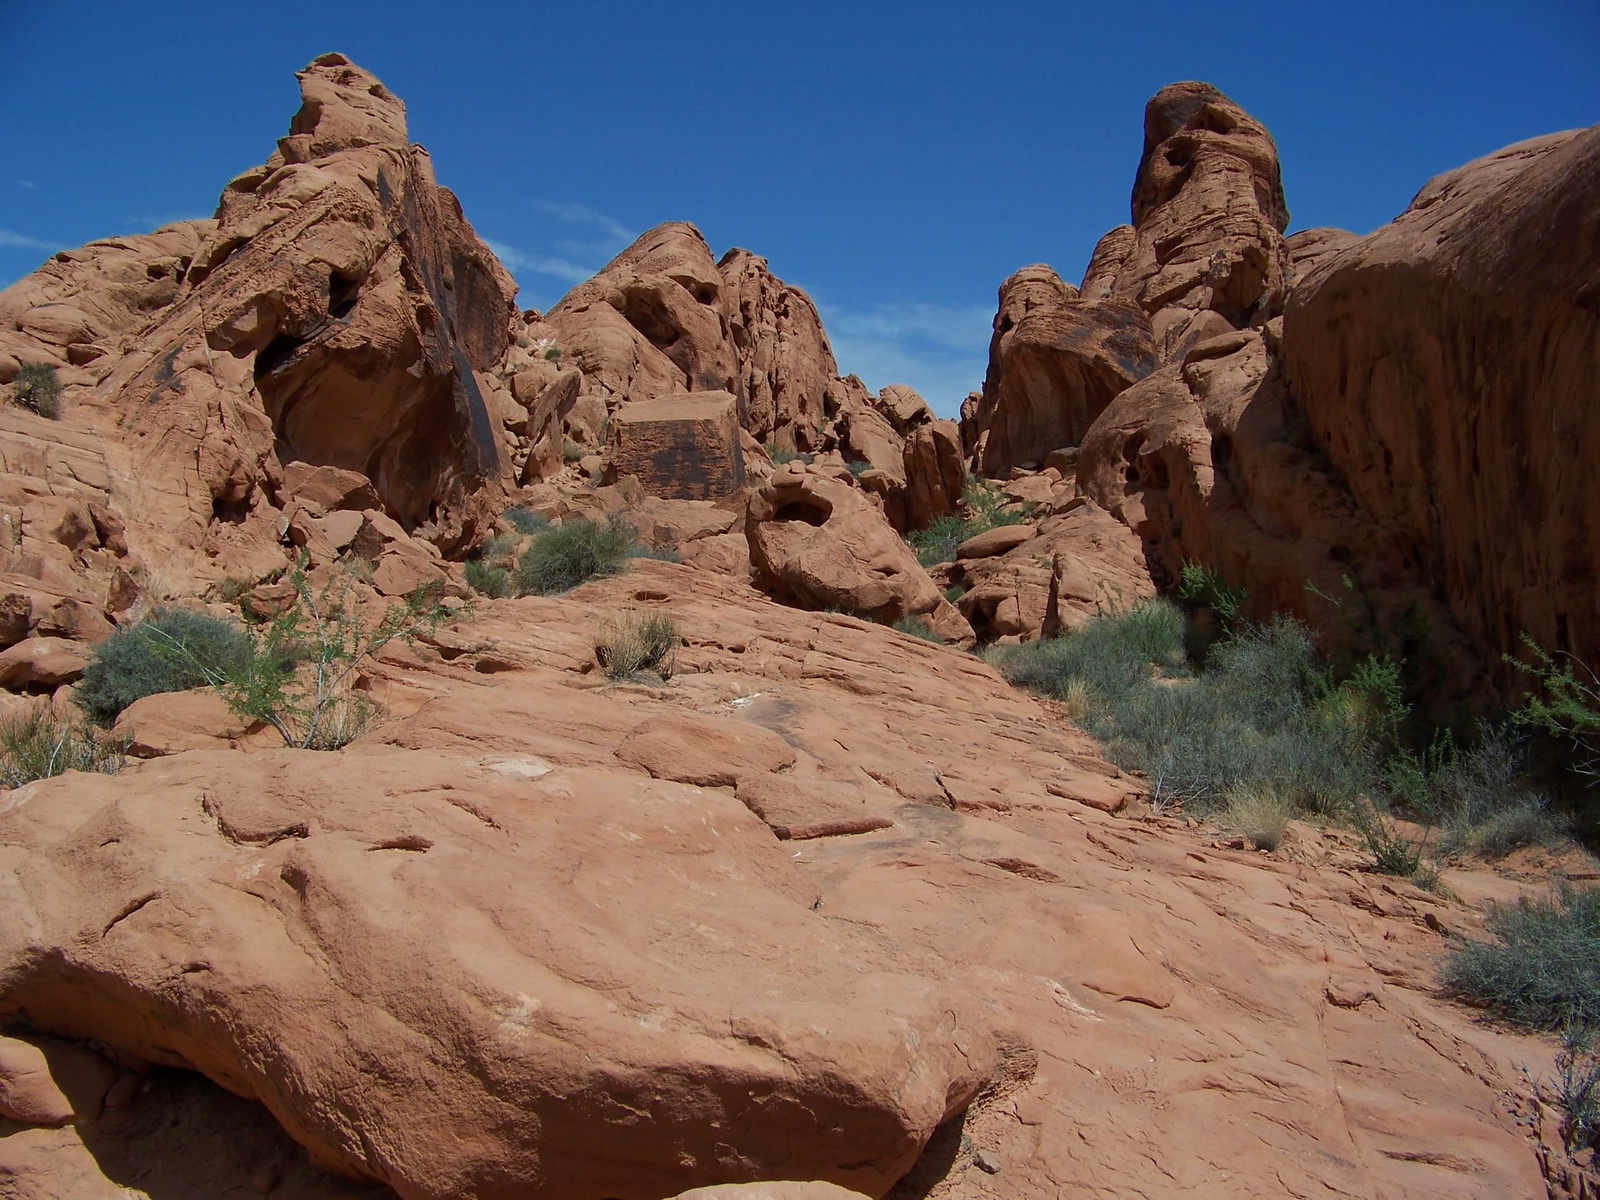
<point x="802" y="510"/>
<point x="343" y="292"/>
<point x="233" y="512"/>
<point x="275" y="354"/>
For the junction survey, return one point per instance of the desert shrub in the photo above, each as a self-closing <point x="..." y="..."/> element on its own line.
<point x="856" y="466"/>
<point x="1259" y="813"/>
<point x="489" y="580"/>
<point x="571" y="452"/>
<point x="658" y="553"/>
<point x="982" y="503"/>
<point x="36" y="387"/>
<point x="525" y="521"/>
<point x="298" y="672"/>
<point x="1202" y="586"/>
<point x="560" y="558"/>
<point x="955" y="591"/>
<point x="782" y="454"/>
<point x="1260" y="715"/>
<point x="634" y="646"/>
<point x="917" y="627"/>
<point x="1569" y="710"/>
<point x="137" y="660"/>
<point x="1576" y="1090"/>
<point x="1541" y="968"/>
<point x="39" y="744"/>
<point x="553" y="354"/>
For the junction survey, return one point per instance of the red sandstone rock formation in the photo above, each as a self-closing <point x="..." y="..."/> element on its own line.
<point x="1449" y="365"/>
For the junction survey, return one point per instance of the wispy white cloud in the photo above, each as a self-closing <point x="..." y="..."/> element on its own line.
<point x="515" y="260"/>
<point x="29" y="184"/>
<point x="941" y="350"/>
<point x="615" y="232"/>
<point x="21" y="241"/>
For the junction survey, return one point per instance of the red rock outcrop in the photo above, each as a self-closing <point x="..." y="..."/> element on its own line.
<point x="683" y="447"/>
<point x="785" y="362"/>
<point x="1055" y="361"/>
<point x="1449" y="365"/>
<point x="816" y="540"/>
<point x="1205" y="254"/>
<point x="336" y="316"/>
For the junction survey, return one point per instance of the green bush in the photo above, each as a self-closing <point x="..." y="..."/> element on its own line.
<point x="37" y="387"/>
<point x="525" y="521"/>
<point x="1260" y="717"/>
<point x="1542" y="968"/>
<point x="1203" y="586"/>
<point x="917" y="627"/>
<point x="782" y="454"/>
<point x="1576" y="1091"/>
<point x="137" y="660"/>
<point x="489" y="580"/>
<point x="571" y="452"/>
<point x="639" y="646"/>
<point x="937" y="542"/>
<point x="562" y="557"/>
<point x="40" y="744"/>
<point x="856" y="466"/>
<point x="1570" y="707"/>
<point x="553" y="354"/>
<point x="297" y="671"/>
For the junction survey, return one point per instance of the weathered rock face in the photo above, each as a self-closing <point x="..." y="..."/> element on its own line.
<point x="652" y="322"/>
<point x="1055" y="362"/>
<point x="934" y="474"/>
<point x="79" y="308"/>
<point x="481" y="953"/>
<point x="335" y="316"/>
<point x="819" y="542"/>
<point x="1208" y="460"/>
<point x="1208" y="210"/>
<point x="1205" y="254"/>
<point x="785" y="362"/>
<point x="1449" y="364"/>
<point x="682" y="447"/>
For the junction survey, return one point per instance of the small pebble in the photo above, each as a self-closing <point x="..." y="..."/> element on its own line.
<point x="988" y="1161"/>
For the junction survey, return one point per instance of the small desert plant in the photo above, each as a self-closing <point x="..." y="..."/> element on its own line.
<point x="658" y="553"/>
<point x="1391" y="850"/>
<point x="856" y="466"/>
<point x="1259" y="813"/>
<point x="1576" y="1090"/>
<point x="36" y="387"/>
<point x="297" y="675"/>
<point x="525" y="521"/>
<point x="917" y="627"/>
<point x="782" y="454"/>
<point x="231" y="589"/>
<point x="553" y="354"/>
<point x="954" y="592"/>
<point x="562" y="557"/>
<point x="39" y="744"/>
<point x="489" y="580"/>
<point x="1571" y="712"/>
<point x="937" y="542"/>
<point x="571" y="452"/>
<point x="137" y="660"/>
<point x="1542" y="968"/>
<point x="634" y="646"/>
<point x="1203" y="586"/>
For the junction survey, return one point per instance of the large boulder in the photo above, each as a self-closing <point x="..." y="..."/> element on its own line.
<point x="393" y="952"/>
<point x="683" y="447"/>
<point x="335" y="316"/>
<point x="817" y="541"/>
<point x="1055" y="361"/>
<point x="935" y="476"/>
<point x="1449" y="365"/>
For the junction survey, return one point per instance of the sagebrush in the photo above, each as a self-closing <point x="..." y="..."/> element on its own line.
<point x="137" y="660"/>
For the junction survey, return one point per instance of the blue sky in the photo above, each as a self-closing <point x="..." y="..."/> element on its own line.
<point x="897" y="160"/>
